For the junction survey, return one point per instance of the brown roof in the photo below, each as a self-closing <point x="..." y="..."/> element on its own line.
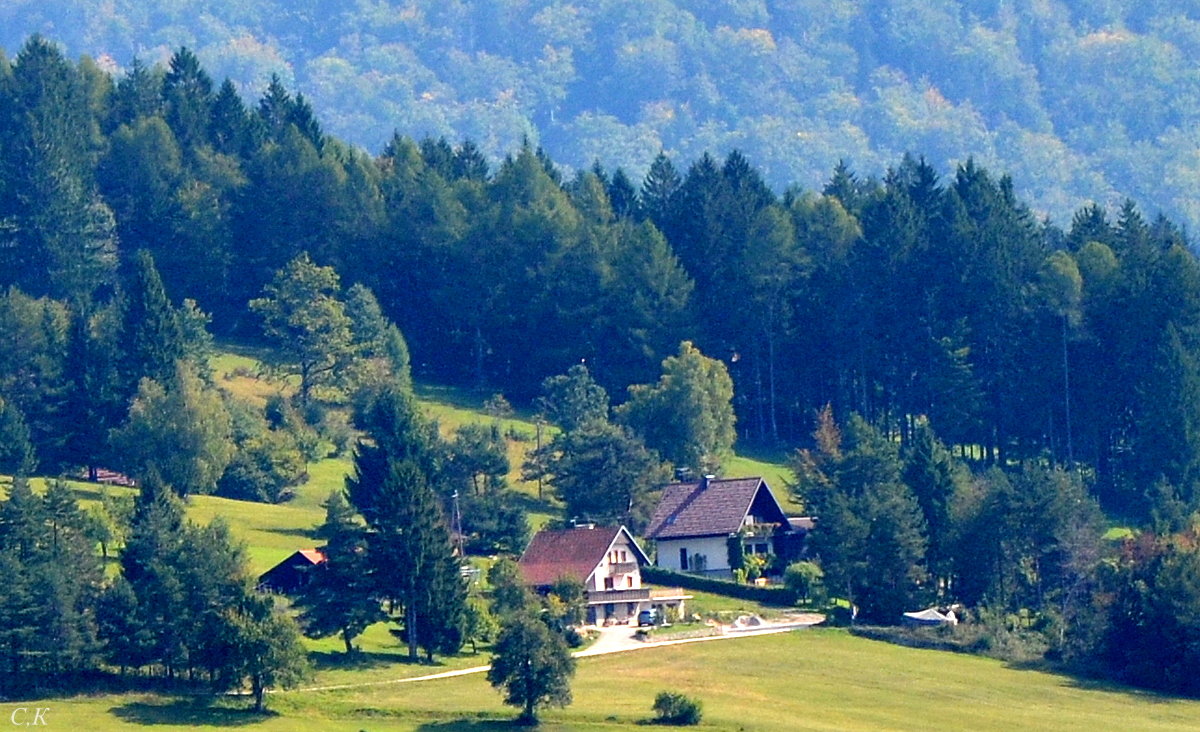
<point x="713" y="507"/>
<point x="575" y="553"/>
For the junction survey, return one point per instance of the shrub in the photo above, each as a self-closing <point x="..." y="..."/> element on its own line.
<point x="678" y="709"/>
<point x="805" y="579"/>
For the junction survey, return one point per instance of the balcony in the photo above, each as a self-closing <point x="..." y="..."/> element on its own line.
<point x="644" y="594"/>
<point x="622" y="568"/>
<point x="603" y="597"/>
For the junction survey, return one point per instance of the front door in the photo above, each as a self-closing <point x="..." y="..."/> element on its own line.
<point x="683" y="563"/>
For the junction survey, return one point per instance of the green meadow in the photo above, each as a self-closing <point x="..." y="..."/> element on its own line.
<point x="804" y="680"/>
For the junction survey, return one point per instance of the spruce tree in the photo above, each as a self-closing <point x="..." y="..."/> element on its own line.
<point x="659" y="190"/>
<point x="16" y="451"/>
<point x="934" y="477"/>
<point x="187" y="99"/>
<point x="408" y="541"/>
<point x="151" y="336"/>
<point x="93" y="400"/>
<point x="339" y="597"/>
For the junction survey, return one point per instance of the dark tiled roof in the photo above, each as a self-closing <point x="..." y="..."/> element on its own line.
<point x="569" y="553"/>
<point x="691" y="509"/>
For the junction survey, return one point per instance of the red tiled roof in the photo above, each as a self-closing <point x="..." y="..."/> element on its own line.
<point x="569" y="553"/>
<point x="718" y="509"/>
<point x="316" y="556"/>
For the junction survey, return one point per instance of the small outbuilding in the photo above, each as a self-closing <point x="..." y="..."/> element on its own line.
<point x="290" y="575"/>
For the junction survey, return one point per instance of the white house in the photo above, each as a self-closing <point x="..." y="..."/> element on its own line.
<point x="607" y="561"/>
<point x="694" y="521"/>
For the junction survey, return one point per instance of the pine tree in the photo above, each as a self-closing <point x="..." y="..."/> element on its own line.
<point x="231" y="128"/>
<point x="17" y="456"/>
<point x="187" y="99"/>
<point x="93" y="400"/>
<point x="22" y="522"/>
<point x="934" y="477"/>
<point x="659" y="190"/>
<point x="63" y="241"/>
<point x="151" y="337"/>
<point x="408" y="541"/>
<point x="339" y="597"/>
<point x="138" y="94"/>
<point x="149" y="565"/>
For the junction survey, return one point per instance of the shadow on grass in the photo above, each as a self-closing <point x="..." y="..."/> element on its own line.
<point x="188" y="712"/>
<point x="1091" y="683"/>
<point x="529" y="502"/>
<point x="302" y="533"/>
<point x="472" y="725"/>
<point x="358" y="661"/>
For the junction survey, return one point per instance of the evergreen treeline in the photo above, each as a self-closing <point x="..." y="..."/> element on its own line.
<point x="1078" y="101"/>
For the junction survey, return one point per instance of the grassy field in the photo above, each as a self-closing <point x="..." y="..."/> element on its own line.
<point x="805" y="680"/>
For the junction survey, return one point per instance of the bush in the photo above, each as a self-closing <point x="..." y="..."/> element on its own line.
<point x="805" y="579"/>
<point x="678" y="709"/>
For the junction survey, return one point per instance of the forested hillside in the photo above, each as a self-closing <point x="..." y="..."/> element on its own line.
<point x="1077" y="101"/>
<point x="984" y="382"/>
<point x="913" y="295"/>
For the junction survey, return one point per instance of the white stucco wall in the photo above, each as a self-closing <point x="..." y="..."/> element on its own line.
<point x="624" y="555"/>
<point x="713" y="548"/>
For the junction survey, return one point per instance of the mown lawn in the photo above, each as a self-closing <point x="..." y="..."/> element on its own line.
<point x="805" y="680"/>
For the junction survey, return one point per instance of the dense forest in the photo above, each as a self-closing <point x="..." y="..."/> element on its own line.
<point x="1076" y="101"/>
<point x="893" y="297"/>
<point x="968" y="382"/>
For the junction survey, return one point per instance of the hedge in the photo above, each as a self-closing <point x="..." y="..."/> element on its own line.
<point x="780" y="596"/>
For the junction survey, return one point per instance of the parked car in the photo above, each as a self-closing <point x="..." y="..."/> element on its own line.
<point x="648" y="617"/>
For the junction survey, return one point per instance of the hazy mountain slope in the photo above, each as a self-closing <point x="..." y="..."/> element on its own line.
<point x="1077" y="100"/>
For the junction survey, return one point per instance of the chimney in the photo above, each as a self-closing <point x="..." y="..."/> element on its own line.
<point x="705" y="480"/>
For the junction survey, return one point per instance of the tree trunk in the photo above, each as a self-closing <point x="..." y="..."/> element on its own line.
<point x="346" y="639"/>
<point x="479" y="380"/>
<point x="256" y="683"/>
<point x="410" y="627"/>
<point x="1067" y="394"/>
<point x="771" y="386"/>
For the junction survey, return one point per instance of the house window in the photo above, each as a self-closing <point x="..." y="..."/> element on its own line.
<point x="760" y="548"/>
<point x="624" y="556"/>
<point x="608" y="582"/>
<point x="683" y="558"/>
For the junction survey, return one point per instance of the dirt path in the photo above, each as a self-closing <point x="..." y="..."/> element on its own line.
<point x="617" y="639"/>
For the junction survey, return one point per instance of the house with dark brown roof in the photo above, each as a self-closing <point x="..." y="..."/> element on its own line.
<point x="694" y="521"/>
<point x="292" y="573"/>
<point x="607" y="560"/>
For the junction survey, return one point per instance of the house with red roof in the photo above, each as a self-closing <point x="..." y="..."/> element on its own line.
<point x="695" y="520"/>
<point x="290" y="575"/>
<point x="607" y="560"/>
